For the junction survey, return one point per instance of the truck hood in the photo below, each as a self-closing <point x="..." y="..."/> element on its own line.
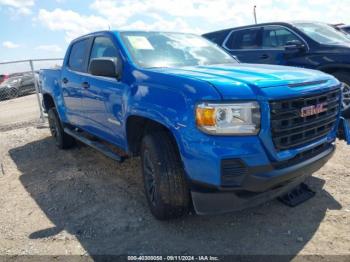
<point x="257" y="75"/>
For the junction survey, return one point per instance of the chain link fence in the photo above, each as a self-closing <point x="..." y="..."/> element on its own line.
<point x="20" y="91"/>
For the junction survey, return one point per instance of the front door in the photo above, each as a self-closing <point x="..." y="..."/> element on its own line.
<point x="102" y="97"/>
<point x="274" y="41"/>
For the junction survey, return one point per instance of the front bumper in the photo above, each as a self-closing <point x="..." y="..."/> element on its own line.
<point x="255" y="190"/>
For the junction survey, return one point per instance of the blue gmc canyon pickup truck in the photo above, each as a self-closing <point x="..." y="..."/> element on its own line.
<point x="213" y="134"/>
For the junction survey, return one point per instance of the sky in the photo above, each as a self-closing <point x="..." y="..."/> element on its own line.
<point x="32" y="29"/>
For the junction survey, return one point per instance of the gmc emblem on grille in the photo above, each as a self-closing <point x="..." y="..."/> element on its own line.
<point x="313" y="110"/>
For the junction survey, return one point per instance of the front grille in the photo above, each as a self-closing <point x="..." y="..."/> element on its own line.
<point x="290" y="130"/>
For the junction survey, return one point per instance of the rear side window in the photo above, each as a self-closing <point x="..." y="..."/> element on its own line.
<point x="78" y="55"/>
<point x="244" y="39"/>
<point x="103" y="47"/>
<point x="277" y="37"/>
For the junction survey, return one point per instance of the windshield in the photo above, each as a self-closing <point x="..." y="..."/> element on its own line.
<point x="322" y="33"/>
<point x="155" y="49"/>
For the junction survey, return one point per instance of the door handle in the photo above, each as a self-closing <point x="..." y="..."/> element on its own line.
<point x="85" y="85"/>
<point x="264" y="56"/>
<point x="64" y="80"/>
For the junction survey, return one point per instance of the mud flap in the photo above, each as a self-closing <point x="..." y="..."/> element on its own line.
<point x="344" y="130"/>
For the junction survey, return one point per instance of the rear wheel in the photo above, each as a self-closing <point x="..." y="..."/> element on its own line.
<point x="63" y="140"/>
<point x="344" y="77"/>
<point x="164" y="179"/>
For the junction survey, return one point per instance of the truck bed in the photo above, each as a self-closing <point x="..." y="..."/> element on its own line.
<point x="49" y="78"/>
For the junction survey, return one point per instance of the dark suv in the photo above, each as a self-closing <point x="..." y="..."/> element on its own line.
<point x="303" y="44"/>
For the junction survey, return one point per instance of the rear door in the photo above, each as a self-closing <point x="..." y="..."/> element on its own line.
<point x="73" y="78"/>
<point x="102" y="99"/>
<point x="245" y="44"/>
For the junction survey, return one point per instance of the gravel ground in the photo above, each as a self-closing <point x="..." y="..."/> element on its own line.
<point x="57" y="202"/>
<point x="18" y="112"/>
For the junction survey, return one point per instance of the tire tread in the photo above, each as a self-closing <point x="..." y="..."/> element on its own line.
<point x="175" y="197"/>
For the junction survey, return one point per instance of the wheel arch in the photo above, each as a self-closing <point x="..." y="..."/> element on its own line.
<point x="137" y="126"/>
<point x="48" y="102"/>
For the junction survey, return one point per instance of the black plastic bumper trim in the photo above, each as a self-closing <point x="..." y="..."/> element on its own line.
<point x="256" y="190"/>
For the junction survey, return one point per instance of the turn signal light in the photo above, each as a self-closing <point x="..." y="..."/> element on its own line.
<point x="205" y="116"/>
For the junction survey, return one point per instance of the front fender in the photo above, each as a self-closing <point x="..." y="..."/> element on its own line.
<point x="170" y="108"/>
<point x="168" y="100"/>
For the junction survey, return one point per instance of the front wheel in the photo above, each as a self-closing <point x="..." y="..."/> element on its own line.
<point x="63" y="140"/>
<point x="164" y="177"/>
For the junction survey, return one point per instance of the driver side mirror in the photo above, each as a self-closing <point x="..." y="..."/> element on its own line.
<point x="294" y="46"/>
<point x="105" y="66"/>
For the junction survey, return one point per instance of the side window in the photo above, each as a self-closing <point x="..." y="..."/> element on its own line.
<point x="244" y="39"/>
<point x="230" y="42"/>
<point x="277" y="37"/>
<point x="103" y="47"/>
<point x="78" y="57"/>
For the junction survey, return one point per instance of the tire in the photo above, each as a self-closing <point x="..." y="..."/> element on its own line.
<point x="63" y="140"/>
<point x="344" y="77"/>
<point x="165" y="185"/>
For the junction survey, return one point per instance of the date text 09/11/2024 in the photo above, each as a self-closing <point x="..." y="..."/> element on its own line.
<point x="173" y="258"/>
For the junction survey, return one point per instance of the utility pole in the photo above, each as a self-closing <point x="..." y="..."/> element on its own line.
<point x="255" y="14"/>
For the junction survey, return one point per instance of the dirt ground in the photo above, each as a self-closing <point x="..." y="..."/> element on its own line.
<point x="18" y="112"/>
<point x="77" y="201"/>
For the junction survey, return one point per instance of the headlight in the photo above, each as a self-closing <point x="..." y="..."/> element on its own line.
<point x="229" y="119"/>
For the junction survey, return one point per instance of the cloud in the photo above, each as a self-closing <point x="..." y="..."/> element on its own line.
<point x="20" y="6"/>
<point x="197" y="16"/>
<point x="210" y="14"/>
<point x="73" y="23"/>
<point x="160" y="24"/>
<point x="49" y="48"/>
<point x="9" y="44"/>
<point x="220" y="13"/>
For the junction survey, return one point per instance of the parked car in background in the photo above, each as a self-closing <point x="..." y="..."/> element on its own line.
<point x="9" y="88"/>
<point x="210" y="131"/>
<point x="303" y="44"/>
<point x="17" y="85"/>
